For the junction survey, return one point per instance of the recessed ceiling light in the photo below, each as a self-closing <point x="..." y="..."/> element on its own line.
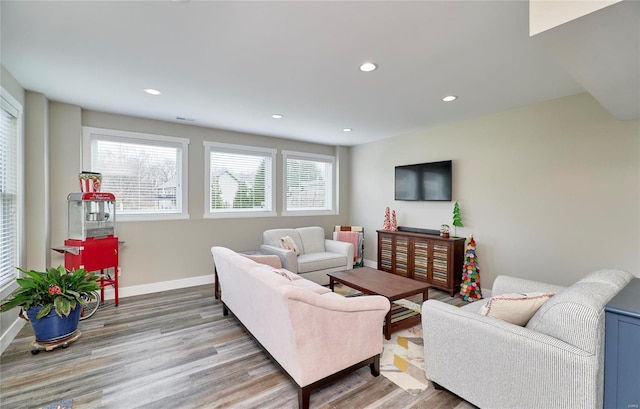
<point x="277" y="116"/>
<point x="347" y="129"/>
<point x="368" y="67"/>
<point x="152" y="91"/>
<point x="449" y="98"/>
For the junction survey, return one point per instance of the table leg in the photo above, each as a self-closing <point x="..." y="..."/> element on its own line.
<point x="331" y="283"/>
<point x="387" y="326"/>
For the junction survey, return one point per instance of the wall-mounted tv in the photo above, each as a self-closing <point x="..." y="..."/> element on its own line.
<point x="424" y="181"/>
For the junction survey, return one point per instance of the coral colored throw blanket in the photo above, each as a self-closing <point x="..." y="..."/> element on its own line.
<point x="354" y="238"/>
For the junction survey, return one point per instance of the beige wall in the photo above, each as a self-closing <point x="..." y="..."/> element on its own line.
<point x="550" y="191"/>
<point x="160" y="251"/>
<point x="38" y="253"/>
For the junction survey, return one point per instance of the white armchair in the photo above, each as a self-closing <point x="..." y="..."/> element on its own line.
<point x="317" y="255"/>
<point x="554" y="361"/>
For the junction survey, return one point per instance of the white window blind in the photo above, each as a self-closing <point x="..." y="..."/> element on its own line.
<point x="308" y="182"/>
<point x="145" y="172"/>
<point x="239" y="180"/>
<point x="9" y="206"/>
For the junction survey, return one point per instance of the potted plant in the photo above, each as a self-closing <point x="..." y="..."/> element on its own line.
<point x="52" y="300"/>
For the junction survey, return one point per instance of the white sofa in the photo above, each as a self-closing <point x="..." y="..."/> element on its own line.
<point x="318" y="255"/>
<point x="313" y="334"/>
<point x="555" y="361"/>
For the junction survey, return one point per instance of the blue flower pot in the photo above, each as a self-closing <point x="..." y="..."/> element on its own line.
<point x="52" y="327"/>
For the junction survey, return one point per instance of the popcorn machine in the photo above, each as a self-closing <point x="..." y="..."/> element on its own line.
<point x="92" y="243"/>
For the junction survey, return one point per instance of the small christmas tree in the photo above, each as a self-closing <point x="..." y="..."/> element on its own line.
<point x="457" y="220"/>
<point x="386" y="224"/>
<point x="470" y="288"/>
<point x="394" y="222"/>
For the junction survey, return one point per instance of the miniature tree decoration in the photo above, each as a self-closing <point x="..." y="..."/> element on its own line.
<point x="386" y="224"/>
<point x="470" y="288"/>
<point x="394" y="221"/>
<point x="457" y="220"/>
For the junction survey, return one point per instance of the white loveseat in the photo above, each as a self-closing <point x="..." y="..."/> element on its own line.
<point x="555" y="361"/>
<point x="318" y="255"/>
<point x="313" y="334"/>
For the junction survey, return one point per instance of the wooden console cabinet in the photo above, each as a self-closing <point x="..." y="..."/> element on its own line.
<point x="424" y="257"/>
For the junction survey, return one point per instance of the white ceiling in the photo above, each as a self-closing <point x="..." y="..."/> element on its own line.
<point x="231" y="65"/>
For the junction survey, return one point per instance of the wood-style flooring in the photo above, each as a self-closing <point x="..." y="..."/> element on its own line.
<point x="176" y="350"/>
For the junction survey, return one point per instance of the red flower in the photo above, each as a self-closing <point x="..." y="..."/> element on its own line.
<point x="54" y="289"/>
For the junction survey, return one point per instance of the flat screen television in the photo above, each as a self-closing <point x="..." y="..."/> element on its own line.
<point x="424" y="181"/>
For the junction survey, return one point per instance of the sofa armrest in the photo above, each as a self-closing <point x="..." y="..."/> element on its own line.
<point x="332" y="332"/>
<point x="507" y="284"/>
<point x="335" y="246"/>
<point x="510" y="366"/>
<point x="288" y="258"/>
<point x="340" y="247"/>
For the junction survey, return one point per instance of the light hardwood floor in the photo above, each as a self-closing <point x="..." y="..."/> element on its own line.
<point x="176" y="350"/>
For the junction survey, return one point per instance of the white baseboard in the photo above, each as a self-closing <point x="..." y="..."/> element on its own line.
<point x="109" y="293"/>
<point x="370" y="263"/>
<point x="11" y="333"/>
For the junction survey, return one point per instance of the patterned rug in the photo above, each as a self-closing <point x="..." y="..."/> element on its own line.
<point x="402" y="360"/>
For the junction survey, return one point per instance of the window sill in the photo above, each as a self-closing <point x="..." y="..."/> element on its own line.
<point x="237" y="215"/>
<point x="151" y="217"/>
<point x="309" y="213"/>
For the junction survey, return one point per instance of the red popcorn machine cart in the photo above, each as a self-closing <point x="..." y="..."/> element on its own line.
<point x="92" y="243"/>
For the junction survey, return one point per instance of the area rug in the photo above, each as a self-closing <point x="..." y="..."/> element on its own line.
<point x="402" y="360"/>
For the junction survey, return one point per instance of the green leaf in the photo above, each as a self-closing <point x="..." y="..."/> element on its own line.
<point x="63" y="306"/>
<point x="46" y="309"/>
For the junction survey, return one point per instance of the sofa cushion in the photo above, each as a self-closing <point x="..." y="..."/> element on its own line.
<point x="287" y="274"/>
<point x="516" y="308"/>
<point x="272" y="237"/>
<point x="475" y="306"/>
<point x="287" y="243"/>
<point x="332" y="295"/>
<point x="311" y="286"/>
<point x="312" y="239"/>
<point x="576" y="314"/>
<point x="320" y="261"/>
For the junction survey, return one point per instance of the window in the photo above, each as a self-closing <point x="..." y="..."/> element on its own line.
<point x="308" y="183"/>
<point x="239" y="180"/>
<point x="147" y="173"/>
<point x="11" y="194"/>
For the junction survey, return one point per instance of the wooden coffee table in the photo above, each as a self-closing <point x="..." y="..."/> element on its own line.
<point x="393" y="287"/>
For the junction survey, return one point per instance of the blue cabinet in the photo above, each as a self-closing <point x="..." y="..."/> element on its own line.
<point x="622" y="349"/>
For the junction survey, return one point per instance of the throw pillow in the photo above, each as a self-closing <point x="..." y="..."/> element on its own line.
<point x="515" y="308"/>
<point x="287" y="242"/>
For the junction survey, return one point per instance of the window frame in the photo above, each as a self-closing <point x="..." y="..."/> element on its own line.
<point x="91" y="133"/>
<point x="331" y="189"/>
<point x="241" y="150"/>
<point x="6" y="99"/>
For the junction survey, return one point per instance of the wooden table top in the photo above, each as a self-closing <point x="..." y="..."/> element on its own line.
<point x="372" y="281"/>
